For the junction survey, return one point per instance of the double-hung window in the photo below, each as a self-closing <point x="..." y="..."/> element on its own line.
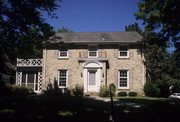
<point x="123" y="52"/>
<point x="63" y="52"/>
<point x="93" y="51"/>
<point x="62" y="78"/>
<point x="123" y="79"/>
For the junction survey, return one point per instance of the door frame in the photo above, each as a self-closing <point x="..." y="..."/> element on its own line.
<point x="92" y="65"/>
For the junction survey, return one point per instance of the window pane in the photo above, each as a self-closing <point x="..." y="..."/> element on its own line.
<point x="123" y="78"/>
<point x="123" y="53"/>
<point x="62" y="77"/>
<point x="63" y="54"/>
<point x="92" y="53"/>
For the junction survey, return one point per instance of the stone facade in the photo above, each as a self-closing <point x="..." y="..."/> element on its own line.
<point x="109" y="70"/>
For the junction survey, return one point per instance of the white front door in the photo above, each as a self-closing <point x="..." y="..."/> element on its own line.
<point x="93" y="80"/>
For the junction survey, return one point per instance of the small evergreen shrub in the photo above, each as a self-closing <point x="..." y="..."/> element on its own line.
<point x="113" y="88"/>
<point x="122" y="94"/>
<point x="53" y="89"/>
<point x="104" y="92"/>
<point x="132" y="94"/>
<point x="151" y="89"/>
<point x="78" y="90"/>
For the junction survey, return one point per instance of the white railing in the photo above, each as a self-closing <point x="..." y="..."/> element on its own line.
<point x="29" y="62"/>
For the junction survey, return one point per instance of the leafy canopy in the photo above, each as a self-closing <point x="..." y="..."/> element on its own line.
<point x="22" y="26"/>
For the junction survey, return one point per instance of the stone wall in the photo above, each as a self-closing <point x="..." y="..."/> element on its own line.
<point x="110" y="69"/>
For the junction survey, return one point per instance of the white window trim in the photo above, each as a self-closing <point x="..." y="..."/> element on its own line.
<point x="66" y="78"/>
<point x="127" y="79"/>
<point x="61" y="57"/>
<point x="93" y="51"/>
<point x="122" y="51"/>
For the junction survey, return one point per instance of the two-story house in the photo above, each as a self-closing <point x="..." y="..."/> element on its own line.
<point x="91" y="59"/>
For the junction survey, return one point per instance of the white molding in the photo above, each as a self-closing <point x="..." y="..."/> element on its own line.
<point x="63" y="57"/>
<point x="66" y="78"/>
<point x="119" y="79"/>
<point x="123" y="51"/>
<point x="95" y="45"/>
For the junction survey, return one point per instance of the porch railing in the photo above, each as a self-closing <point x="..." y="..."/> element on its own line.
<point x="29" y="62"/>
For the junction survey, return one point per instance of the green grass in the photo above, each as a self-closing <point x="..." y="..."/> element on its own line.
<point x="69" y="108"/>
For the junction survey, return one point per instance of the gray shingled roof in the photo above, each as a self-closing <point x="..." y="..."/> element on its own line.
<point x="100" y="37"/>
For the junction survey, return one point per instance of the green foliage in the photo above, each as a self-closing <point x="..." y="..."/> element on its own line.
<point x="104" y="92"/>
<point x="78" y="90"/>
<point x="23" y="27"/>
<point x="151" y="89"/>
<point x="53" y="89"/>
<point x="132" y="94"/>
<point x="15" y="90"/>
<point x="113" y="88"/>
<point x="122" y="94"/>
<point x="64" y="30"/>
<point x="133" y="27"/>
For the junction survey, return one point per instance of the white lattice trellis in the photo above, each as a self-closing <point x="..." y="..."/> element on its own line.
<point x="40" y="80"/>
<point x="29" y="62"/>
<point x="18" y="78"/>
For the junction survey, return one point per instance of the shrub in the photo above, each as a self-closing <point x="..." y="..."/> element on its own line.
<point x="52" y="89"/>
<point x="113" y="88"/>
<point x="15" y="90"/>
<point x="122" y="94"/>
<point x="132" y="94"/>
<point x="104" y="92"/>
<point x="151" y="89"/>
<point x="78" y="90"/>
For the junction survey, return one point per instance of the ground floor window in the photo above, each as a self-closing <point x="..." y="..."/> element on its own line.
<point x="123" y="79"/>
<point x="62" y="78"/>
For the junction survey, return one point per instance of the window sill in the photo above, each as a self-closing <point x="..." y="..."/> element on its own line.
<point x="63" y="58"/>
<point x="123" y="58"/>
<point x="63" y="87"/>
<point x="120" y="88"/>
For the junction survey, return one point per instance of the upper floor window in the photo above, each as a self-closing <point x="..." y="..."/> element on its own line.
<point x="93" y="51"/>
<point x="63" y="52"/>
<point x="62" y="78"/>
<point x="123" y="79"/>
<point x="123" y="52"/>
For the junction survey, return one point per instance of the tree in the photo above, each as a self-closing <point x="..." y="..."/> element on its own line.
<point x="133" y="27"/>
<point x="162" y="26"/>
<point x="22" y="27"/>
<point x="64" y="30"/>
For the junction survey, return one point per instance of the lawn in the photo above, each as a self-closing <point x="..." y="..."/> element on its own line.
<point x="69" y="108"/>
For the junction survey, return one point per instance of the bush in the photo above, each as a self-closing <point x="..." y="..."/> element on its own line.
<point x="104" y="92"/>
<point x="151" y="89"/>
<point x="78" y="90"/>
<point x="15" y="90"/>
<point x="132" y="94"/>
<point x="52" y="89"/>
<point x="122" y="94"/>
<point x="113" y="88"/>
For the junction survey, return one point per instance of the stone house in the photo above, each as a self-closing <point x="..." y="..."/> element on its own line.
<point x="91" y="59"/>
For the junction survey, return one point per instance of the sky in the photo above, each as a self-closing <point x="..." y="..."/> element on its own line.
<point x="95" y="15"/>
